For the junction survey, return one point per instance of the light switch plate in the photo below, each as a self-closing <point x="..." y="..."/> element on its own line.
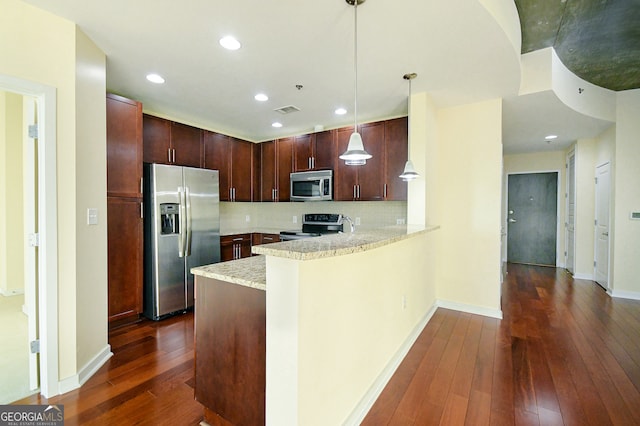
<point x="92" y="216"/>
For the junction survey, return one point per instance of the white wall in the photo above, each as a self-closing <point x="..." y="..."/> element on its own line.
<point x="626" y="243"/>
<point x="38" y="46"/>
<point x="585" y="152"/>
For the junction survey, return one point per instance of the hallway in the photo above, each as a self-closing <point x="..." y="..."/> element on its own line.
<point x="565" y="353"/>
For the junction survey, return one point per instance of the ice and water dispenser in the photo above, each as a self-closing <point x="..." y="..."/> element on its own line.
<point x="170" y="218"/>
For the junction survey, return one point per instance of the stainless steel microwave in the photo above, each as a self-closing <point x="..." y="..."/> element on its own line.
<point x="312" y="186"/>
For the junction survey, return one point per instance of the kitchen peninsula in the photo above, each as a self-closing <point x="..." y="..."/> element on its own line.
<point x="309" y="332"/>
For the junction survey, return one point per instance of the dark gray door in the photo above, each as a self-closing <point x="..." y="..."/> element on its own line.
<point x="532" y="218"/>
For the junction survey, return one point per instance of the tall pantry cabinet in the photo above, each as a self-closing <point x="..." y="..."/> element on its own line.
<point x="124" y="209"/>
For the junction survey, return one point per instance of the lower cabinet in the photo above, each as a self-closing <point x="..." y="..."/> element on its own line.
<point x="125" y="258"/>
<point x="236" y="246"/>
<point x="230" y="352"/>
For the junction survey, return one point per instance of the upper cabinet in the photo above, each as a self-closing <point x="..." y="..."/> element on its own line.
<point x="396" y="151"/>
<point x="234" y="159"/>
<point x="361" y="183"/>
<point x="124" y="147"/>
<point x="316" y="151"/>
<point x="378" y="179"/>
<point x="168" y="142"/>
<point x="276" y="165"/>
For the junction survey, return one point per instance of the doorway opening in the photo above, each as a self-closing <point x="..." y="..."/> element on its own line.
<point x="39" y="236"/>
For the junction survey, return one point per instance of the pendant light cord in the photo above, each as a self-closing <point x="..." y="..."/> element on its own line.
<point x="355" y="67"/>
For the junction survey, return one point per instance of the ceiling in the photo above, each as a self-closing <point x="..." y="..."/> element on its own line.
<point x="456" y="47"/>
<point x="598" y="40"/>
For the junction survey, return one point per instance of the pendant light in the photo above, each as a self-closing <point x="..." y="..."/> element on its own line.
<point x="355" y="155"/>
<point x="409" y="172"/>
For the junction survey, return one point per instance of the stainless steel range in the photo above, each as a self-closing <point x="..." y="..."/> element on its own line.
<point x="317" y="224"/>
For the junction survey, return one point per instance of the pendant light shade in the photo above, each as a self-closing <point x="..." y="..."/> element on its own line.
<point x="409" y="172"/>
<point x="355" y="155"/>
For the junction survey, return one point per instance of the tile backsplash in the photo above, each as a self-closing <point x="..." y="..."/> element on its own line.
<point x="247" y="217"/>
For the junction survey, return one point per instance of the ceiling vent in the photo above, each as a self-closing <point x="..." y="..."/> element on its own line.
<point x="287" y="109"/>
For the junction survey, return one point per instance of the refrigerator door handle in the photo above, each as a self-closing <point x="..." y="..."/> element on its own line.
<point x="183" y="221"/>
<point x="187" y="197"/>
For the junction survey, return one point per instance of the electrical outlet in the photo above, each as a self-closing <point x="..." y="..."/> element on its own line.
<point x="295" y="219"/>
<point x="399" y="221"/>
<point x="247" y="218"/>
<point x="357" y="221"/>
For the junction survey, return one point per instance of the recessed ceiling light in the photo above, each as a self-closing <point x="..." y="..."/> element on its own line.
<point x="261" y="97"/>
<point x="551" y="137"/>
<point x="229" y="42"/>
<point x="155" y="78"/>
<point x="341" y="111"/>
<point x="276" y="124"/>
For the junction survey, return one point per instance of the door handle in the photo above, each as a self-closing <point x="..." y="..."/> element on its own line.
<point x="187" y="198"/>
<point x="512" y="220"/>
<point x="606" y="234"/>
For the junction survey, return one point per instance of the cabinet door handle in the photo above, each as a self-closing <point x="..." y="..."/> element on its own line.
<point x="142" y="185"/>
<point x="267" y="238"/>
<point x="141" y="210"/>
<point x="385" y="191"/>
<point x="358" y="191"/>
<point x="313" y="162"/>
<point x="237" y="239"/>
<point x="354" y="191"/>
<point x="169" y="155"/>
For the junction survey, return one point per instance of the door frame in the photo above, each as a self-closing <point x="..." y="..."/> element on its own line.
<point x="570" y="154"/>
<point x="47" y="268"/>
<point x="609" y="287"/>
<point x="559" y="221"/>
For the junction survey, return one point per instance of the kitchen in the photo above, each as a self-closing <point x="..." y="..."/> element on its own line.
<point x="461" y="190"/>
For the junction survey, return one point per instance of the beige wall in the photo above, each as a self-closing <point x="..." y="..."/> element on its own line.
<point x="469" y="203"/>
<point x="549" y="161"/>
<point x="11" y="195"/>
<point x="41" y="47"/>
<point x="626" y="177"/>
<point x="346" y="316"/>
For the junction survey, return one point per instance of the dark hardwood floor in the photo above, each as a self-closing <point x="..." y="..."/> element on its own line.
<point x="565" y="353"/>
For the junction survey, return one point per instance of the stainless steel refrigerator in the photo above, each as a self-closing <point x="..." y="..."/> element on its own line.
<point x="182" y="231"/>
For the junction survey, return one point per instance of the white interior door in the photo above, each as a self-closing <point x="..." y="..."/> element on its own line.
<point x="571" y="209"/>
<point x="30" y="193"/>
<point x="603" y="189"/>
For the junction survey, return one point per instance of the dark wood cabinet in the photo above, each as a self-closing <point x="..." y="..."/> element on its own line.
<point x="236" y="246"/>
<point x="258" y="238"/>
<point x="125" y="251"/>
<point x="234" y="158"/>
<point x="396" y="149"/>
<point x="124" y="206"/>
<point x="168" y="142"/>
<point x="276" y="166"/>
<point x="241" y="169"/>
<point x="373" y="181"/>
<point x="157" y="140"/>
<point x="186" y="143"/>
<point x="124" y="147"/>
<point x="230" y="352"/>
<point x="316" y="151"/>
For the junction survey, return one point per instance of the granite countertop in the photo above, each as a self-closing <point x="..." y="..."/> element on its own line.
<point x="340" y="244"/>
<point x="249" y="272"/>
